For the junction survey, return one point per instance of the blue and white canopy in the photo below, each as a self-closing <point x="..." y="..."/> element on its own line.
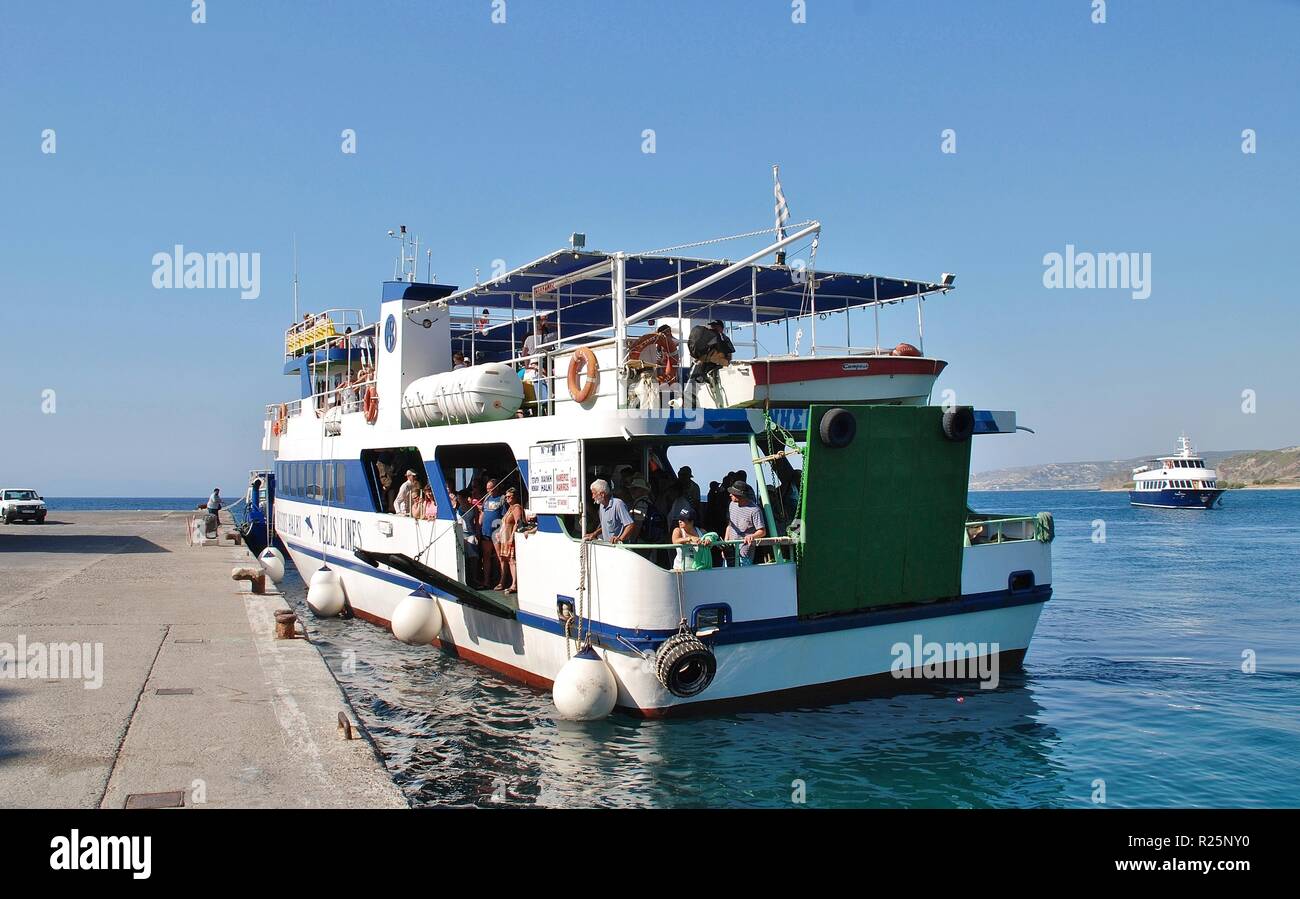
<point x="573" y="289"/>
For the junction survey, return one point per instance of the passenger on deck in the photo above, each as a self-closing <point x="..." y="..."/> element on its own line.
<point x="536" y="369"/>
<point x="458" y="360"/>
<point x="425" y="506"/>
<point x="694" y="553"/>
<point x="744" y="522"/>
<point x="711" y="349"/>
<point x="688" y="487"/>
<point x="715" y="508"/>
<point x="511" y="520"/>
<point x="407" y="494"/>
<point x="466" y="513"/>
<point x="616" y="523"/>
<point x="489" y="520"/>
<point x="644" y="512"/>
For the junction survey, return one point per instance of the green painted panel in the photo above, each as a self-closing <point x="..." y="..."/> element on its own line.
<point x="883" y="517"/>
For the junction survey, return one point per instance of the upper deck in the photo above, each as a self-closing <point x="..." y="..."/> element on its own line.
<point x="621" y="322"/>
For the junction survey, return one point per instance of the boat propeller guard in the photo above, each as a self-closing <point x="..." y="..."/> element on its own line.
<point x="684" y="665"/>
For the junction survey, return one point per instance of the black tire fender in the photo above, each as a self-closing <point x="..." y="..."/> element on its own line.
<point x="684" y="665"/>
<point x="837" y="428"/>
<point x="959" y="424"/>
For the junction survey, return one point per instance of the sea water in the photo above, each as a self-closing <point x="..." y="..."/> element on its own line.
<point x="1165" y="672"/>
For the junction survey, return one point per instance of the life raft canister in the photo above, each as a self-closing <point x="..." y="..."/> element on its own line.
<point x="370" y="405"/>
<point x="666" y="353"/>
<point x="583" y="358"/>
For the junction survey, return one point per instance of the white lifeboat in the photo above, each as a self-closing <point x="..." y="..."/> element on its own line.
<point x="897" y="378"/>
<point x="489" y="392"/>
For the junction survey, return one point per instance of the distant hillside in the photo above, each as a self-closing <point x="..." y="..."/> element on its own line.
<point x="1114" y="473"/>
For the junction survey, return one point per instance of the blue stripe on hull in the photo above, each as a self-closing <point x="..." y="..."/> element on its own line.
<point x="1174" y="499"/>
<point x="617" y="638"/>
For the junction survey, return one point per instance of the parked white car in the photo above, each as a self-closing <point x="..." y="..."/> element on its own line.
<point x="20" y="504"/>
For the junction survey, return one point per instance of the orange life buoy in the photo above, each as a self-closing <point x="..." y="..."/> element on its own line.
<point x="583" y="358"/>
<point x="667" y="352"/>
<point x="905" y="349"/>
<point x="370" y="405"/>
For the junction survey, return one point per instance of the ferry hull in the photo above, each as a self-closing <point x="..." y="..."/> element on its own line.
<point x="1175" y="499"/>
<point x="762" y="664"/>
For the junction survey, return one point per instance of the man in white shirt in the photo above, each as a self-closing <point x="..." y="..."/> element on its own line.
<point x="409" y="490"/>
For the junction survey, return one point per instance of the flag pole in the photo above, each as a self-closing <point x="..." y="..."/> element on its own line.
<point x="782" y="212"/>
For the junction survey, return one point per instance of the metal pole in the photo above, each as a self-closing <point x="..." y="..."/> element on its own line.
<point x="920" y="320"/>
<point x="875" y="304"/>
<point x="620" y="319"/>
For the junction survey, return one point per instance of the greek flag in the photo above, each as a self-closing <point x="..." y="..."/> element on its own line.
<point x="782" y="209"/>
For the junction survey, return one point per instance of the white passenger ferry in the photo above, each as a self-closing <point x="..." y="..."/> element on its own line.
<point x="870" y="572"/>
<point x="1181" y="481"/>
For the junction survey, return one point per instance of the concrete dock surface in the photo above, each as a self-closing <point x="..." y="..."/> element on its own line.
<point x="192" y="692"/>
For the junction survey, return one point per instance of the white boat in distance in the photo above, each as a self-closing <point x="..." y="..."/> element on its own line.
<point x="871" y="574"/>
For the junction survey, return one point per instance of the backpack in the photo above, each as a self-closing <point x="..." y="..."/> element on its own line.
<point x="654" y="526"/>
<point x="700" y="340"/>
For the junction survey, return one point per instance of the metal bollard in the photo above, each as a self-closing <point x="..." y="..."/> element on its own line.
<point x="286" y="624"/>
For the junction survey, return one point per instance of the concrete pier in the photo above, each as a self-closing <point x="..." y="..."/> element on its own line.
<point x="192" y="693"/>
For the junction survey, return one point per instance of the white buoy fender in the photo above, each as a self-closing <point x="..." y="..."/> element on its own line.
<point x="325" y="593"/>
<point x="417" y="619"/>
<point x="272" y="562"/>
<point x="585" y="689"/>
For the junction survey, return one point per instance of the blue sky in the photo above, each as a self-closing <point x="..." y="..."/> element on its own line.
<point x="495" y="141"/>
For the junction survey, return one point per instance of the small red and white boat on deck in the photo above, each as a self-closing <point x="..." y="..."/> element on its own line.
<point x="902" y="377"/>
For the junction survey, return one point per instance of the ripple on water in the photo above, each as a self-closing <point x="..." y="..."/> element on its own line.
<point x="1135" y="678"/>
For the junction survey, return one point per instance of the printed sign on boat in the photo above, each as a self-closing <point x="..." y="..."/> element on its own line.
<point x="555" y="478"/>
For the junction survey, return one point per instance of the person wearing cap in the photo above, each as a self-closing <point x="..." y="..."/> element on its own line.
<point x="744" y="522"/>
<point x="616" y="523"/>
<point x="407" y="493"/>
<point x="694" y="551"/>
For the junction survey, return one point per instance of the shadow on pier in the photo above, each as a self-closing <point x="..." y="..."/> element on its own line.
<point x="87" y="544"/>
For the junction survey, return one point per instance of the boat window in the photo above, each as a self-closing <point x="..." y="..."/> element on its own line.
<point x="386" y="469"/>
<point x="468" y="468"/>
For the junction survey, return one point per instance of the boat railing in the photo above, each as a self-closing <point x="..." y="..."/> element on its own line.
<point x="349" y="397"/>
<point x="731" y="549"/>
<point x="981" y="529"/>
<point x="320" y="327"/>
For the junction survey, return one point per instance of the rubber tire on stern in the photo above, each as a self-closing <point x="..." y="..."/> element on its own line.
<point x="838" y="427"/>
<point x="959" y="424"/>
<point x="676" y="657"/>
